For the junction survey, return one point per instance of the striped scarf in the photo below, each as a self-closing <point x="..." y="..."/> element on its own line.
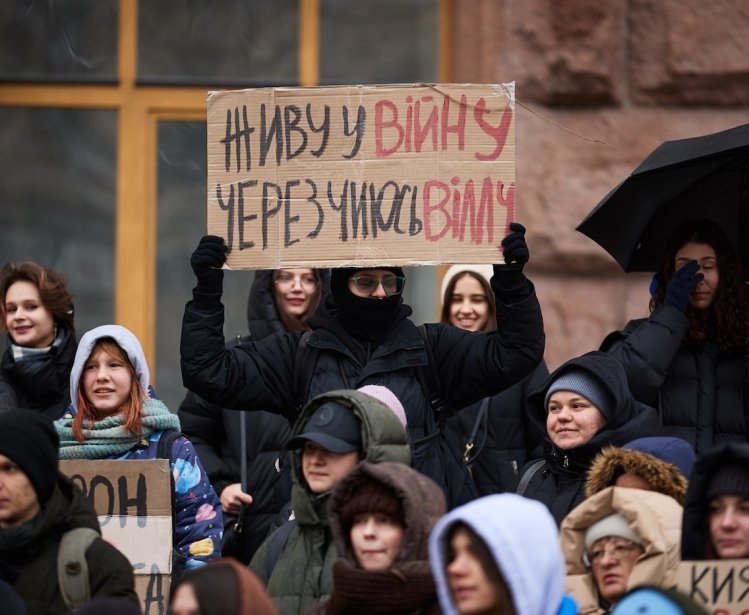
<point x="108" y="437"/>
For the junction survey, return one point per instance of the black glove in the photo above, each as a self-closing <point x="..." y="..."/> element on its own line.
<point x="508" y="282"/>
<point x="514" y="247"/>
<point x="206" y="262"/>
<point x="680" y="286"/>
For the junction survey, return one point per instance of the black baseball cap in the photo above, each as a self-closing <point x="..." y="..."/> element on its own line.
<point x="334" y="427"/>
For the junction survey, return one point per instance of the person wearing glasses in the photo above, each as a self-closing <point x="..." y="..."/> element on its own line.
<point x="618" y="539"/>
<point x="363" y="335"/>
<point x="280" y="300"/>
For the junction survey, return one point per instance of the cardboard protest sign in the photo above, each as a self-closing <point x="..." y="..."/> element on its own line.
<point x="721" y="586"/>
<point x="361" y="175"/>
<point x="133" y="500"/>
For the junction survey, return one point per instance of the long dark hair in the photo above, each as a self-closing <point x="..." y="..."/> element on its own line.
<point x="216" y="589"/>
<point x="726" y="317"/>
<point x="52" y="287"/>
<point x="447" y="300"/>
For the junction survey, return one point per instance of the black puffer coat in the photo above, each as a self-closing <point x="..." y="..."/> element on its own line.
<point x="40" y="383"/>
<point x="31" y="550"/>
<point x="216" y="434"/>
<point x="560" y="481"/>
<point x="470" y="366"/>
<point x="504" y="437"/>
<point x="695" y="537"/>
<point x="701" y="393"/>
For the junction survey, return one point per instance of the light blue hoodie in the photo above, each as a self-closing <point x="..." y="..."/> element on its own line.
<point x="523" y="537"/>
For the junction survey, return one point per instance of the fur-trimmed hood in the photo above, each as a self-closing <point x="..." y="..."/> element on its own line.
<point x="614" y="461"/>
<point x="654" y="517"/>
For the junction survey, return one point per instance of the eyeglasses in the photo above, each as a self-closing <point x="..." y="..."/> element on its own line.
<point x="619" y="548"/>
<point x="367" y="284"/>
<point x="307" y="281"/>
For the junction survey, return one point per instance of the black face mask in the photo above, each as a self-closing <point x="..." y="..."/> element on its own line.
<point x="363" y="317"/>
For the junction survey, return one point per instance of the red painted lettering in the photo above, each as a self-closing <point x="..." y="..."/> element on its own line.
<point x="459" y="127"/>
<point x="498" y="133"/>
<point x="380" y="124"/>
<point x="435" y="184"/>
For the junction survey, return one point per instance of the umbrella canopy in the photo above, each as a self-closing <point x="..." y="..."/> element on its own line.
<point x="701" y="177"/>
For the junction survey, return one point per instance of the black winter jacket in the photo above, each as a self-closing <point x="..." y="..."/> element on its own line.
<point x="470" y="366"/>
<point x="505" y="438"/>
<point x="31" y="550"/>
<point x="559" y="482"/>
<point x="702" y="394"/>
<point x="216" y="434"/>
<point x="695" y="532"/>
<point x="41" y="383"/>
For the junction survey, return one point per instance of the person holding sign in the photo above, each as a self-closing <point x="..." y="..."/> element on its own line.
<point x="113" y="417"/>
<point x="363" y="335"/>
<point x="39" y="508"/>
<point x="716" y="511"/>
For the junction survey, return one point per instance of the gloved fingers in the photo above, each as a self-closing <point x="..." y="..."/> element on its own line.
<point x="517" y="227"/>
<point x="687" y="275"/>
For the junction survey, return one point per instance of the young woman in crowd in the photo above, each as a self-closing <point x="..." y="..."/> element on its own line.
<point x="689" y="358"/>
<point x="582" y="407"/>
<point x="616" y="540"/>
<point x="280" y="300"/>
<point x="494" y="434"/>
<point x="716" y="511"/>
<point x="113" y="417"/>
<point x="37" y="314"/>
<point x="225" y="587"/>
<point x="499" y="554"/>
<point x="380" y="516"/>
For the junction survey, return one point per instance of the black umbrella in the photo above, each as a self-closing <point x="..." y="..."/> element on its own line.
<point x="701" y="177"/>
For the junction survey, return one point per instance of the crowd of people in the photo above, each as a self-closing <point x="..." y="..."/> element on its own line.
<point x="339" y="458"/>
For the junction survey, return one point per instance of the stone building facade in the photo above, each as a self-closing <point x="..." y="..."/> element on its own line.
<point x="599" y="84"/>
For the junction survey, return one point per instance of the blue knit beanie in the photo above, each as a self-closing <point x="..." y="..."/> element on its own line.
<point x="587" y="385"/>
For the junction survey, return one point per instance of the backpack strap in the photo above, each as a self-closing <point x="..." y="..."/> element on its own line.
<point x="525" y="479"/>
<point x="277" y="543"/>
<point x="469" y="454"/>
<point x="429" y="379"/>
<point x="304" y="370"/>
<point x="72" y="566"/>
<point x="166" y="441"/>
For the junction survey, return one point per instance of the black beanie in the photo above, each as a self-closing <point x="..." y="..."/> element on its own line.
<point x="371" y="497"/>
<point x="732" y="479"/>
<point x="363" y="317"/>
<point x="30" y="440"/>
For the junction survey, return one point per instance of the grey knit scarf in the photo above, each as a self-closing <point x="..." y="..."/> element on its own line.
<point x="108" y="437"/>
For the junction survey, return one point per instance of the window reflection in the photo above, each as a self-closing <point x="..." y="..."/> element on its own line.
<point x="240" y="42"/>
<point x="58" y="40"/>
<point x="58" y="200"/>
